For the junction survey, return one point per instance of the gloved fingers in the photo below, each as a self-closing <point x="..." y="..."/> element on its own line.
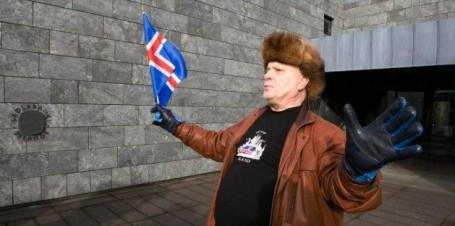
<point x="408" y="152"/>
<point x="352" y="122"/>
<point x="405" y="137"/>
<point x="392" y="110"/>
<point x="157" y="118"/>
<point x="401" y="121"/>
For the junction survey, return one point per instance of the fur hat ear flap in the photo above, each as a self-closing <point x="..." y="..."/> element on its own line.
<point x="289" y="48"/>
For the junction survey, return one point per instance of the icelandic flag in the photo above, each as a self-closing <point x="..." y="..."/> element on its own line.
<point x="166" y="65"/>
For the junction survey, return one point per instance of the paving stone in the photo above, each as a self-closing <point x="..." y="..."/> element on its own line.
<point x="88" y="201"/>
<point x="193" y="195"/>
<point x="190" y="217"/>
<point x="50" y="220"/>
<point x="78" y="217"/>
<point x="144" y="207"/>
<point x="125" y="211"/>
<point x="147" y="222"/>
<point x="178" y="198"/>
<point x="103" y="215"/>
<point x="163" y="203"/>
<point x="168" y="219"/>
<point x="28" y="222"/>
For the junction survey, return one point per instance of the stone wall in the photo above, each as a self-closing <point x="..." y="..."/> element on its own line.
<point x="369" y="14"/>
<point x="83" y="63"/>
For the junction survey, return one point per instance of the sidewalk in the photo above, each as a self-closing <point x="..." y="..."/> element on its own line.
<point x="416" y="192"/>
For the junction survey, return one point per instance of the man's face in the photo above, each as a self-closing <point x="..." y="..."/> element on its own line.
<point x="283" y="84"/>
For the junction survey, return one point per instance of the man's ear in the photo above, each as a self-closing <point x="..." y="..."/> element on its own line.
<point x="303" y="83"/>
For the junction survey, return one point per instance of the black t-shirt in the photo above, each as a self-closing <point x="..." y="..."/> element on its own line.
<point x="246" y="192"/>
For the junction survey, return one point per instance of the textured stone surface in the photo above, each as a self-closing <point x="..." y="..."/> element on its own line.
<point x="53" y="187"/>
<point x="94" y="159"/>
<point x="6" y="193"/>
<point x="67" y="20"/>
<point x="26" y="190"/>
<point x="100" y="93"/>
<point x="102" y="7"/>
<point x="21" y="64"/>
<point x="123" y="30"/>
<point x="2" y="89"/>
<point x="117" y="115"/>
<point x="61" y="139"/>
<point x="78" y="183"/>
<point x="69" y="68"/>
<point x="19" y="37"/>
<point x="10" y="143"/>
<point x="121" y="177"/>
<point x="16" y="11"/>
<point x="84" y="115"/>
<point x="64" y="92"/>
<point x="62" y="43"/>
<point x="106" y="136"/>
<point x="100" y="180"/>
<point x="62" y="162"/>
<point x="27" y="90"/>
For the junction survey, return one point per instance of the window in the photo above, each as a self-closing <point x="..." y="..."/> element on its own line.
<point x="443" y="114"/>
<point x="328" y="25"/>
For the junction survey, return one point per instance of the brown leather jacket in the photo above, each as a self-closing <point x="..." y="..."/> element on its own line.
<point x="312" y="188"/>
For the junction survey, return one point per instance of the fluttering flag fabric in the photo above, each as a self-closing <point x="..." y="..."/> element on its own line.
<point x="166" y="64"/>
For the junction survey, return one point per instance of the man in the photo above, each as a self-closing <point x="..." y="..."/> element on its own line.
<point x="283" y="164"/>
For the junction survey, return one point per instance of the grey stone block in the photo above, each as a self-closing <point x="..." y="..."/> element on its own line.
<point x="2" y="91"/>
<point x="168" y="5"/>
<point x="244" y="23"/>
<point x="123" y="30"/>
<point x="97" y="48"/>
<point x="21" y="64"/>
<point x="328" y="52"/>
<point x="241" y="38"/>
<point x="126" y="10"/>
<point x="402" y="46"/>
<point x="156" y="172"/>
<point x="204" y="29"/>
<point x="135" y="135"/>
<point x="16" y="11"/>
<point x="26" y="190"/>
<point x="61" y="139"/>
<point x="446" y="48"/>
<point x="65" y="92"/>
<point x="130" y="53"/>
<point x="10" y="143"/>
<point x="100" y="93"/>
<point x="55" y="112"/>
<point x="195" y="62"/>
<point x="174" y="169"/>
<point x="93" y="159"/>
<point x="6" y="193"/>
<point x="84" y="115"/>
<point x="25" y="38"/>
<point x="425" y="43"/>
<point x="121" y="177"/>
<point x="27" y="90"/>
<point x="78" y="183"/>
<point x="102" y="7"/>
<point x="6" y="112"/>
<point x="344" y="52"/>
<point x="141" y="75"/>
<point x="169" y="20"/>
<point x="70" y="68"/>
<point x="106" y="136"/>
<point x="62" y="162"/>
<point x="100" y="180"/>
<point x="62" y="43"/>
<point x="362" y="50"/>
<point x="136" y="155"/>
<point x="138" y="95"/>
<point x="139" y="174"/>
<point x="202" y="115"/>
<point x="67" y="20"/>
<point x="244" y="54"/>
<point x="194" y="9"/>
<point x="145" y="117"/>
<point x="382" y="48"/>
<point x="62" y="3"/>
<point x="118" y="115"/>
<point x="231" y="67"/>
<point x="53" y="187"/>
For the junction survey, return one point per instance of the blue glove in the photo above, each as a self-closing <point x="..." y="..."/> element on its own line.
<point x="383" y="141"/>
<point x="165" y="119"/>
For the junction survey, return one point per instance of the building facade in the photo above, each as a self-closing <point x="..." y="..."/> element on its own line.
<point x="75" y="90"/>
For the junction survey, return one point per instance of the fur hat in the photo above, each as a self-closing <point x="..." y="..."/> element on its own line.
<point x="288" y="48"/>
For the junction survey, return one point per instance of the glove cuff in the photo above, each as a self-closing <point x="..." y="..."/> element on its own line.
<point x="359" y="177"/>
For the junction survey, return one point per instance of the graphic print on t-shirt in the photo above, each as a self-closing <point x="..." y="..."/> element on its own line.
<point x="253" y="147"/>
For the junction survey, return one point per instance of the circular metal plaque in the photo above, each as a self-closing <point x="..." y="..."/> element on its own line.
<point x="32" y="122"/>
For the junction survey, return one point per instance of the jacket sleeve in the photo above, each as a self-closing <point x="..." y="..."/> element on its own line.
<point x="209" y="144"/>
<point x="338" y="187"/>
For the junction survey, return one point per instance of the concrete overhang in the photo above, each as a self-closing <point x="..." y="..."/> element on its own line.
<point x="422" y="44"/>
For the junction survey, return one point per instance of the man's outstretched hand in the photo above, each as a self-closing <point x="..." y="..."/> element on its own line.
<point x="383" y="141"/>
<point x="165" y="119"/>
